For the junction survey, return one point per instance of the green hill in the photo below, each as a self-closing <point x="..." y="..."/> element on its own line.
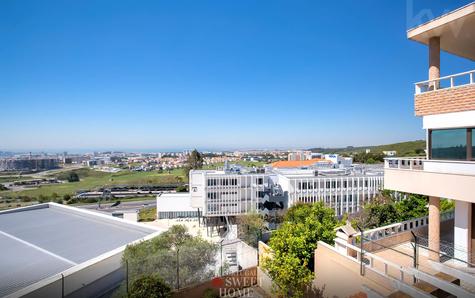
<point x="411" y="148"/>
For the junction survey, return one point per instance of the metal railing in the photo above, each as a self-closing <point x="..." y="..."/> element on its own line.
<point x="456" y="80"/>
<point x="403" y="277"/>
<point x="399" y="276"/>
<point x="408" y="225"/>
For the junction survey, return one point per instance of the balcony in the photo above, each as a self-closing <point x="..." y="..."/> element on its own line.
<point x="452" y="81"/>
<point x="440" y="178"/>
<point x="454" y="93"/>
<point x="394" y="261"/>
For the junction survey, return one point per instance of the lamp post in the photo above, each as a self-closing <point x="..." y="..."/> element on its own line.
<point x="177" y="268"/>
<point x="221" y="263"/>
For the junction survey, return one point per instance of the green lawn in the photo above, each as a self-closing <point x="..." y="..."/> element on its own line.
<point x="13" y="178"/>
<point x="91" y="179"/>
<point x="148" y="214"/>
<point x="15" y="204"/>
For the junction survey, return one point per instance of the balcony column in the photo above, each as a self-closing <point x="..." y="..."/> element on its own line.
<point x="434" y="228"/>
<point x="462" y="231"/>
<point x="434" y="60"/>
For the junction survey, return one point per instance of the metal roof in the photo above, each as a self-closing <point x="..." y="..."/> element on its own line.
<point x="41" y="241"/>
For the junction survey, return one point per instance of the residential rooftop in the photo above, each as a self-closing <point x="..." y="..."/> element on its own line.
<point x="44" y="240"/>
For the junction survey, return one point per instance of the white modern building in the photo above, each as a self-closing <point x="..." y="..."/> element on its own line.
<point x="345" y="190"/>
<point x="236" y="191"/>
<point x="175" y="205"/>
<point x="447" y="108"/>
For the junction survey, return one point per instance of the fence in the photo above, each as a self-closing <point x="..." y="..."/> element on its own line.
<point x="405" y="226"/>
<point x="456" y="80"/>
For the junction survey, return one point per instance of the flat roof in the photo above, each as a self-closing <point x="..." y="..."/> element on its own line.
<point x="455" y="29"/>
<point x="298" y="163"/>
<point x="40" y="241"/>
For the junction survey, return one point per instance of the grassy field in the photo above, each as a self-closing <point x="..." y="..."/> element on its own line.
<point x="148" y="214"/>
<point x="403" y="149"/>
<point x="91" y="179"/>
<point x="14" y="204"/>
<point x="4" y="179"/>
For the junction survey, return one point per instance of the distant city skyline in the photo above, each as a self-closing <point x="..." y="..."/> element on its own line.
<point x="211" y="75"/>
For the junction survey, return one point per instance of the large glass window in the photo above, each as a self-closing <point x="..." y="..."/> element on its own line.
<point x="449" y="144"/>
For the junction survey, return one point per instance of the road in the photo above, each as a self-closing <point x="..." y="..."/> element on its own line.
<point x="125" y="205"/>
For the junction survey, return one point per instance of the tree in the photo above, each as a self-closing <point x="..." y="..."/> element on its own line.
<point x="181" y="188"/>
<point x="446" y="204"/>
<point x="175" y="248"/>
<point x="413" y="206"/>
<point x="250" y="228"/>
<point x="194" y="162"/>
<point x="151" y="286"/>
<point x="379" y="212"/>
<point x="385" y="210"/>
<point x="73" y="177"/>
<point x="363" y="157"/>
<point x="294" y="243"/>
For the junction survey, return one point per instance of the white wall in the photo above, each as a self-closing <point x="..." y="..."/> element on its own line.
<point x="449" y="120"/>
<point x="174" y="202"/>
<point x="197" y="189"/>
<point x="246" y="255"/>
<point x="462" y="229"/>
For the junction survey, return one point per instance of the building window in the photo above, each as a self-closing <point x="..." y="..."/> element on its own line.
<point x="448" y="144"/>
<point x="472" y="138"/>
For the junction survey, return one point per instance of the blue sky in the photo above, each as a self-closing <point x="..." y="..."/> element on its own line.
<point x="211" y="74"/>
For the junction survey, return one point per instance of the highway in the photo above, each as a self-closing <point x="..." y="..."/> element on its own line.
<point x="125" y="205"/>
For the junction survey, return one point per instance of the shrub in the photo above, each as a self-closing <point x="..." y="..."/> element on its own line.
<point x="73" y="177"/>
<point x="294" y="243"/>
<point x="150" y="286"/>
<point x="72" y="201"/>
<point x="210" y="293"/>
<point x="43" y="199"/>
<point x="90" y="200"/>
<point x="181" y="188"/>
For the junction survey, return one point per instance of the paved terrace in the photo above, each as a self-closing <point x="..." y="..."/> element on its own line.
<point x="41" y="241"/>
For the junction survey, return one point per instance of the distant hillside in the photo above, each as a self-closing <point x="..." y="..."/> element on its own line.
<point x="410" y="148"/>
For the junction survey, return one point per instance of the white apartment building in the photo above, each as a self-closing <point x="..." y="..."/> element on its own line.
<point x="430" y="256"/>
<point x="345" y="190"/>
<point x="447" y="107"/>
<point x="223" y="193"/>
